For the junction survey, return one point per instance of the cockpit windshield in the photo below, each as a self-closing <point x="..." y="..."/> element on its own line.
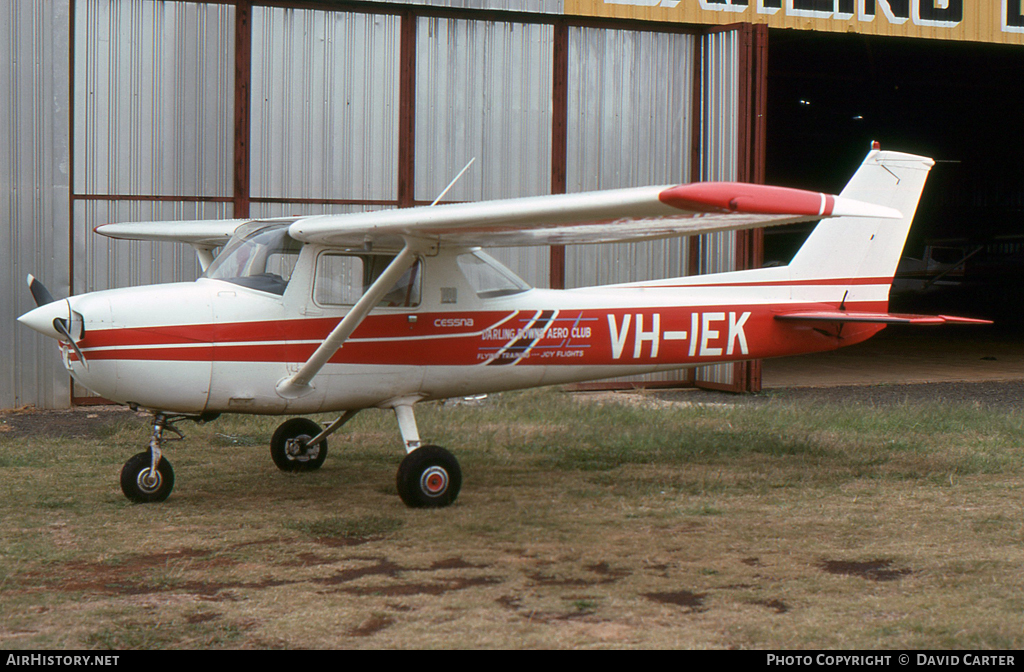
<point x="260" y="256"/>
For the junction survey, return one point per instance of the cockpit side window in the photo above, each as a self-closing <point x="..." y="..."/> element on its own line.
<point x="341" y="279"/>
<point x="488" y="278"/>
<point x="260" y="256"/>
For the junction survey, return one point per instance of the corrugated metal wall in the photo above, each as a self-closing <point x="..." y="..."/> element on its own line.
<point x="34" y="189"/>
<point x="719" y="158"/>
<point x="483" y="92"/>
<point x="630" y="112"/>
<point x="153" y="98"/>
<point x="324" y="104"/>
<point x="154" y="132"/>
<point x="153" y="117"/>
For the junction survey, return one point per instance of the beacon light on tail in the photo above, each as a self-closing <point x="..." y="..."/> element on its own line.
<point x="385" y="309"/>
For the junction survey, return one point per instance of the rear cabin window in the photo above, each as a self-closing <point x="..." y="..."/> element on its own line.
<point x="341" y="279"/>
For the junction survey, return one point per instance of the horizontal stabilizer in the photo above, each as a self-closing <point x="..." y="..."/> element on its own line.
<point x="875" y="318"/>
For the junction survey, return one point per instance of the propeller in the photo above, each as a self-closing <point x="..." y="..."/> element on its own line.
<point x="42" y="296"/>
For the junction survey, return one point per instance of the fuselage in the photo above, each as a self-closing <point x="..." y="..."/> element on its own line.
<point x="219" y="346"/>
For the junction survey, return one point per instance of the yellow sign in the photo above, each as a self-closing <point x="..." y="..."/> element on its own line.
<point x="999" y="21"/>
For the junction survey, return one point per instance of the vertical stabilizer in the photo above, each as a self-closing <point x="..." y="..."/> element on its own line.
<point x="858" y="248"/>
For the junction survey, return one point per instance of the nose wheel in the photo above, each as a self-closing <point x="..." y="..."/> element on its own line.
<point x="148" y="476"/>
<point x="141" y="483"/>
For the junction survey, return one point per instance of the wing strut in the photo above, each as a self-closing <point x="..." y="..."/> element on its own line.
<point x="298" y="385"/>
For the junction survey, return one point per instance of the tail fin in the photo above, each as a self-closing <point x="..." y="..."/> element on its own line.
<point x="861" y="249"/>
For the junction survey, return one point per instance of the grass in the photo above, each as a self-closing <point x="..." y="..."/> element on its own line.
<point x="580" y="524"/>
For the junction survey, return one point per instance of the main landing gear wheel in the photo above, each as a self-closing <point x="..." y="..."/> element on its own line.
<point x="141" y="484"/>
<point x="429" y="477"/>
<point x="289" y="446"/>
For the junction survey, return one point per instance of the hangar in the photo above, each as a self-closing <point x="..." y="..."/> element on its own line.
<point x="163" y="109"/>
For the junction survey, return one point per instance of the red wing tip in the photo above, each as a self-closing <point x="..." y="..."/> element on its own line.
<point x="747" y="198"/>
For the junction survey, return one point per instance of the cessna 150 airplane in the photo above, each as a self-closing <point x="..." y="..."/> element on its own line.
<point x="387" y="309"/>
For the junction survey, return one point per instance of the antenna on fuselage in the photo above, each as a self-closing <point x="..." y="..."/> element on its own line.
<point x="452" y="183"/>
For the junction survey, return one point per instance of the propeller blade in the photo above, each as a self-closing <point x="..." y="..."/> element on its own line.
<point x="40" y="294"/>
<point x="61" y="326"/>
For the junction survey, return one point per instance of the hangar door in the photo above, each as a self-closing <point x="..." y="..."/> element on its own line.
<point x="192" y="110"/>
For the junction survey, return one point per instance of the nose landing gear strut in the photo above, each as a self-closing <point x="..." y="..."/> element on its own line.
<point x="148" y="476"/>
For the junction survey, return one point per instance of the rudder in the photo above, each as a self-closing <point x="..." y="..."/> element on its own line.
<point x="858" y="248"/>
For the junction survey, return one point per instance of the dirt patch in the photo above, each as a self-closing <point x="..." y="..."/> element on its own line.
<point x="342" y="542"/>
<point x="83" y="422"/>
<point x="873" y="570"/>
<point x="455" y="563"/>
<point x="134" y="576"/>
<point x="583" y="611"/>
<point x="510" y="602"/>
<point x="778" y="606"/>
<point x="540" y="579"/>
<point x="601" y="569"/>
<point x="694" y="602"/>
<point x="203" y="617"/>
<point x="381" y="567"/>
<point x="309" y="560"/>
<point x="372" y="626"/>
<point x="79" y="573"/>
<point x="431" y="588"/>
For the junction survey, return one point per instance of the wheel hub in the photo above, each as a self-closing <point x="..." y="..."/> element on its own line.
<point x="434" y="481"/>
<point x="148" y="480"/>
<point x="297" y="449"/>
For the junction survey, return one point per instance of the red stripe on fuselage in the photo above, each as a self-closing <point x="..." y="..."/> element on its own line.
<point x="598" y="337"/>
<point x="308" y="329"/>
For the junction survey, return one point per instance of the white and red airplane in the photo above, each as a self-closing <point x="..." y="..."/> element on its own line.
<point x="386" y="309"/>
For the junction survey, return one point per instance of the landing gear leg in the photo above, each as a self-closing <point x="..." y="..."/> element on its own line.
<point x="148" y="476"/>
<point x="429" y="476"/>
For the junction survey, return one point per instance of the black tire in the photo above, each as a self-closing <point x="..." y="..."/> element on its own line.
<point x="429" y="477"/>
<point x="310" y="458"/>
<point x="136" y="484"/>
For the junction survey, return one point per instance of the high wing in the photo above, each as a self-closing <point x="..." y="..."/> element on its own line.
<point x="204" y="235"/>
<point x="616" y="215"/>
